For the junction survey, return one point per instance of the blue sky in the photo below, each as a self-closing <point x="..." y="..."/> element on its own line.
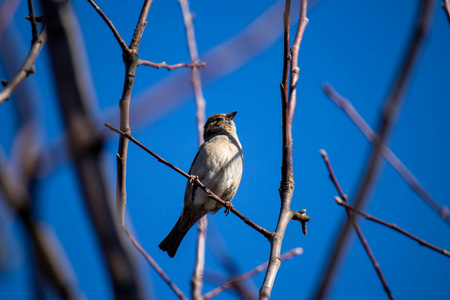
<point x="355" y="46"/>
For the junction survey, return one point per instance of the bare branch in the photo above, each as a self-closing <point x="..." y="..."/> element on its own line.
<point x="267" y="234"/>
<point x="392" y="107"/>
<point x="393" y="226"/>
<point x="287" y="174"/>
<point x="170" y="67"/>
<point x="386" y="152"/>
<point x="229" y="284"/>
<point x="155" y="266"/>
<point x="108" y="22"/>
<point x="130" y="59"/>
<point x="85" y="147"/>
<point x="350" y="218"/>
<point x="26" y="69"/>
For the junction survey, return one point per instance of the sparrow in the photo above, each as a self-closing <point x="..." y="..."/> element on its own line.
<point x="218" y="165"/>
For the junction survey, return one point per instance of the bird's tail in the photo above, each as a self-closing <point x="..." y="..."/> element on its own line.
<point x="173" y="240"/>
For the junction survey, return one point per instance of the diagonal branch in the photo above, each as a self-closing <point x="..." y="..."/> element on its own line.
<point x="364" y="242"/>
<point x="267" y="234"/>
<point x="386" y="152"/>
<point x="392" y="107"/>
<point x="229" y="284"/>
<point x="287" y="174"/>
<point x="155" y="266"/>
<point x="393" y="226"/>
<point x="108" y="22"/>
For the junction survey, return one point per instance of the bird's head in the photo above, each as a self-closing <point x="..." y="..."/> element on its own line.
<point x="219" y="124"/>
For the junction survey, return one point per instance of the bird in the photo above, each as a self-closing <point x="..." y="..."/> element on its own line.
<point x="219" y="166"/>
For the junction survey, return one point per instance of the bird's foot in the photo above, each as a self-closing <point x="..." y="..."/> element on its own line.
<point x="193" y="179"/>
<point x="228" y="207"/>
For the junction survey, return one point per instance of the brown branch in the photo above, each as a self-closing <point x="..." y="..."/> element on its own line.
<point x="350" y="218"/>
<point x="108" y="22"/>
<point x="229" y="284"/>
<point x="50" y="262"/>
<point x="267" y="234"/>
<point x="392" y="107"/>
<point x="392" y="226"/>
<point x="446" y="7"/>
<point x="27" y="67"/>
<point x="155" y="266"/>
<point x="287" y="177"/>
<point x="84" y="145"/>
<point x="170" y="67"/>
<point x="130" y="59"/>
<point x="386" y="152"/>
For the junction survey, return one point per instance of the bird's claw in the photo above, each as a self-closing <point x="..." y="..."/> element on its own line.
<point x="193" y="179"/>
<point x="228" y="207"/>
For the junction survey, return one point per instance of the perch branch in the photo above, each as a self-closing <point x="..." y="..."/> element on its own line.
<point x="364" y="242"/>
<point x="267" y="234"/>
<point x="392" y="107"/>
<point x="287" y="174"/>
<point x="386" y="152"/>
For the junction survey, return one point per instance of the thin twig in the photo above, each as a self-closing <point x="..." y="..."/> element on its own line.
<point x="258" y="269"/>
<point x="267" y="234"/>
<point x="155" y="266"/>
<point x="34" y="24"/>
<point x="27" y="67"/>
<point x="287" y="174"/>
<point x="388" y="118"/>
<point x="364" y="242"/>
<point x="199" y="266"/>
<point x="197" y="275"/>
<point x="392" y="226"/>
<point x="170" y="67"/>
<point x="108" y="22"/>
<point x="130" y="59"/>
<point x="386" y="152"/>
<point x="85" y="147"/>
<point x="446" y="7"/>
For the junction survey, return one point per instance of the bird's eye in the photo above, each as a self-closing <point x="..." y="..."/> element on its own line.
<point x="219" y="120"/>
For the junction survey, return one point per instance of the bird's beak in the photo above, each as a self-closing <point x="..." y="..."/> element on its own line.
<point x="231" y="115"/>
